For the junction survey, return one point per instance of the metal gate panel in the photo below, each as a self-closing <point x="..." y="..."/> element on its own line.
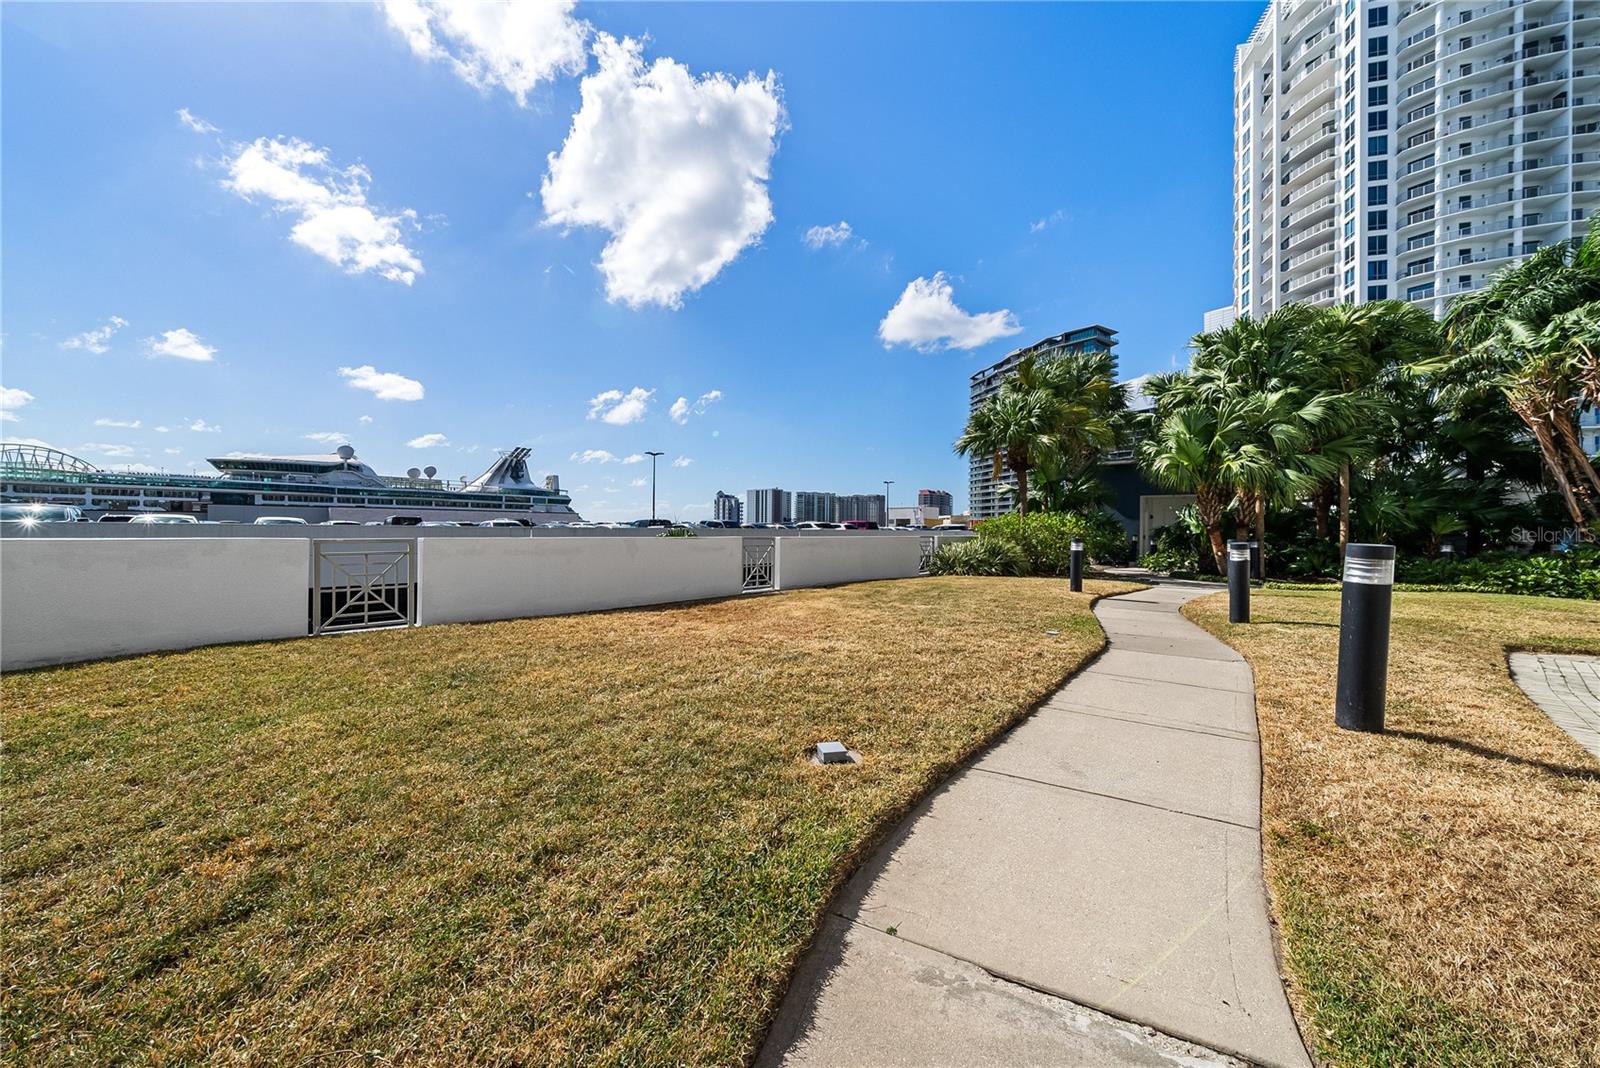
<point x="925" y="559"/>
<point x="361" y="585"/>
<point x="757" y="570"/>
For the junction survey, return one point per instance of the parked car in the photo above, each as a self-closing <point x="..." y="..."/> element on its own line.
<point x="279" y="521"/>
<point x="859" y="524"/>
<point x="651" y="523"/>
<point x="162" y="519"/>
<point x="117" y="517"/>
<point x="401" y="521"/>
<point x="30" y="515"/>
<point x="502" y="523"/>
<point x="717" y="524"/>
<point x="812" y="524"/>
<point x="340" y="523"/>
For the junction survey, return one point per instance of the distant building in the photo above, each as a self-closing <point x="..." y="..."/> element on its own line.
<point x="815" y="506"/>
<point x="1218" y="319"/>
<point x="727" y="508"/>
<point x="984" y="496"/>
<point x="938" y="502"/>
<point x="1589" y="430"/>
<point x="768" y="506"/>
<point x="872" y="507"/>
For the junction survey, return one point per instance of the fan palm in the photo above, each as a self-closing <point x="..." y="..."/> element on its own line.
<point x="1017" y="428"/>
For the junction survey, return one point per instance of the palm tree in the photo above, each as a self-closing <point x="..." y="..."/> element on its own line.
<point x="1017" y="428"/>
<point x="1088" y="413"/>
<point x="1530" y="335"/>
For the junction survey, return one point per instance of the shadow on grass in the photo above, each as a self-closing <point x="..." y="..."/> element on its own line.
<point x="1298" y="623"/>
<point x="1564" y="770"/>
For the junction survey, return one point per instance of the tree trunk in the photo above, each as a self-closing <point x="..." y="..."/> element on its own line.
<point x="1582" y="470"/>
<point x="1261" y="535"/>
<point x="1552" y="460"/>
<point x="1208" y="506"/>
<point x="1022" y="489"/>
<point x="1319" y="508"/>
<point x="1344" y="506"/>
<point x="1242" y="510"/>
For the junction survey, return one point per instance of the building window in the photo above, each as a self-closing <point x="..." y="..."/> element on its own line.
<point x="1377" y="292"/>
<point x="1377" y="245"/>
<point x="1379" y="71"/>
<point x="1377" y="16"/>
<point x="1377" y="46"/>
<point x="1378" y="96"/>
<point x="1350" y="228"/>
<point x="1377" y="170"/>
<point x="1378" y="146"/>
<point x="1377" y="120"/>
<point x="1377" y="271"/>
<point x="1377" y="220"/>
<point x="1350" y="277"/>
<point x="1349" y="203"/>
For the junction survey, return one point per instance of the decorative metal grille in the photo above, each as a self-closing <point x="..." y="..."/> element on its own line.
<point x="361" y="585"/>
<point x="929" y="543"/>
<point x="758" y="561"/>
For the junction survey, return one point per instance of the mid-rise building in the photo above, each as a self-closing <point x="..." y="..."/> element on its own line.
<point x="1409" y="149"/>
<point x="1218" y="319"/>
<point x="815" y="506"/>
<point x="984" y="496"/>
<point x="768" y="506"/>
<point x="727" y="508"/>
<point x="936" y="502"/>
<point x="871" y="507"/>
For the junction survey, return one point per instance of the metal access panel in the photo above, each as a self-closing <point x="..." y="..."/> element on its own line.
<point x="361" y="584"/>
<point x="925" y="558"/>
<point x="758" y="568"/>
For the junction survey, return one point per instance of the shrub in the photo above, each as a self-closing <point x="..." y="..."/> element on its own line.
<point x="978" y="556"/>
<point x="1574" y="574"/>
<point x="1045" y="538"/>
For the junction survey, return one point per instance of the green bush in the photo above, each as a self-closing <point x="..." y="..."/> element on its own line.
<point x="978" y="556"/>
<point x="1045" y="538"/>
<point x="1574" y="574"/>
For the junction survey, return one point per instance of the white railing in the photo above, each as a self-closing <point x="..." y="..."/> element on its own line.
<point x="1309" y="210"/>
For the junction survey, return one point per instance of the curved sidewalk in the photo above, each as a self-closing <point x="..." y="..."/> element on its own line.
<point x="1088" y="891"/>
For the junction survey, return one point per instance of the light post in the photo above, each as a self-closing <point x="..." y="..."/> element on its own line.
<point x="1075" y="566"/>
<point x="886" y="484"/>
<point x="1364" y="606"/>
<point x="653" y="456"/>
<point x="1238" y="582"/>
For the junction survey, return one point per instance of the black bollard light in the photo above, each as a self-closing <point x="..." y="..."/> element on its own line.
<point x="1075" y="566"/>
<point x="1364" y="608"/>
<point x="1238" y="582"/>
<point x="1255" y="560"/>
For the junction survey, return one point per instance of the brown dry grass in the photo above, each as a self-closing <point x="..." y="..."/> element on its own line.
<point x="590" y="839"/>
<point x="1438" y="886"/>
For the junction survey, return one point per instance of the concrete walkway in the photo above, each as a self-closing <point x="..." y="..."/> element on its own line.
<point x="1567" y="688"/>
<point x="1087" y="892"/>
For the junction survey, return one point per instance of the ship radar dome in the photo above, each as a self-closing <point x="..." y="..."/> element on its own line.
<point x="346" y="452"/>
<point x="413" y="472"/>
<point x="430" y="471"/>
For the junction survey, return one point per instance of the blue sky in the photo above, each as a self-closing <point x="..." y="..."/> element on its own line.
<point x="406" y="225"/>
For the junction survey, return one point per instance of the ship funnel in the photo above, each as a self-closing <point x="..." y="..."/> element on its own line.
<point x="429" y="472"/>
<point x="413" y="472"/>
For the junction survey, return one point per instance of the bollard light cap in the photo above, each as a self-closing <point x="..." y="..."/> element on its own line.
<point x="1077" y="545"/>
<point x="1238" y="550"/>
<point x="1369" y="565"/>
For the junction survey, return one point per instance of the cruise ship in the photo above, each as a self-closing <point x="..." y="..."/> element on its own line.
<point x="319" y="488"/>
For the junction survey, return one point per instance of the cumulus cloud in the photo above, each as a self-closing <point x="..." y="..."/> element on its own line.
<point x="672" y="166"/>
<point x="926" y="317"/>
<point x="1046" y="222"/>
<point x="333" y="218"/>
<point x="512" y="46"/>
<point x="828" y="236"/>
<point x="180" y="344"/>
<point x="633" y="458"/>
<point x="195" y="122"/>
<point x="96" y="341"/>
<point x="120" y="452"/>
<point x="619" y="408"/>
<point x="682" y="461"/>
<point x="200" y="426"/>
<point x="682" y="408"/>
<point x="637" y="482"/>
<point x="126" y="424"/>
<point x="12" y="399"/>
<point x="593" y="456"/>
<point x="364" y="420"/>
<point x="427" y="441"/>
<point x="328" y="437"/>
<point x="385" y="385"/>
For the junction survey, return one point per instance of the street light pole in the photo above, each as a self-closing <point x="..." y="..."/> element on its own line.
<point x="653" y="456"/>
<point x="886" y="484"/>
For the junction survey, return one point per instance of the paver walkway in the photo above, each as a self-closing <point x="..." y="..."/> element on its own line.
<point x="1567" y="688"/>
<point x="1100" y="864"/>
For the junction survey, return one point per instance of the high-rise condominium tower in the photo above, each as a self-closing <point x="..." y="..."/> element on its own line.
<point x="1409" y="149"/>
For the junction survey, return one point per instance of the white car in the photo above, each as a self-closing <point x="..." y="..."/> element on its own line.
<point x="501" y="523"/>
<point x="162" y="518"/>
<point x="279" y="521"/>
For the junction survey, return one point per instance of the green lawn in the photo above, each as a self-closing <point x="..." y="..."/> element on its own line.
<point x="1437" y="886"/>
<point x="591" y="839"/>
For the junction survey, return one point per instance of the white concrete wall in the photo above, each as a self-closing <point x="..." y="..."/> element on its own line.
<point x="827" y="560"/>
<point x="68" y="600"/>
<point x="465" y="579"/>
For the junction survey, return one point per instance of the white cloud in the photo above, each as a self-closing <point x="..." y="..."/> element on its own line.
<point x="926" y="315"/>
<point x="1046" y="222"/>
<point x="633" y="458"/>
<point x="514" y="46"/>
<point x="672" y="166"/>
<point x="200" y="426"/>
<point x="364" y="420"/>
<point x="593" y="456"/>
<point x="636" y="483"/>
<point x="334" y="219"/>
<point x="682" y="409"/>
<point x="117" y="451"/>
<point x="428" y="441"/>
<point x="161" y="429"/>
<point x="195" y="122"/>
<point x="619" y="408"/>
<point x="180" y="344"/>
<point x="385" y="385"/>
<point x="327" y="437"/>
<point x="11" y="400"/>
<point x="126" y="424"/>
<point x="682" y="461"/>
<point x="827" y="236"/>
<point x="173" y="452"/>
<point x="95" y="341"/>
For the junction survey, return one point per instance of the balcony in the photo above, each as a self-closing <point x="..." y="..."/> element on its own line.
<point x="1298" y="197"/>
<point x="1308" y="121"/>
<point x="1305" y="237"/>
<point x="1318" y="161"/>
<point x="1309" y="210"/>
<point x="1307" y="257"/>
